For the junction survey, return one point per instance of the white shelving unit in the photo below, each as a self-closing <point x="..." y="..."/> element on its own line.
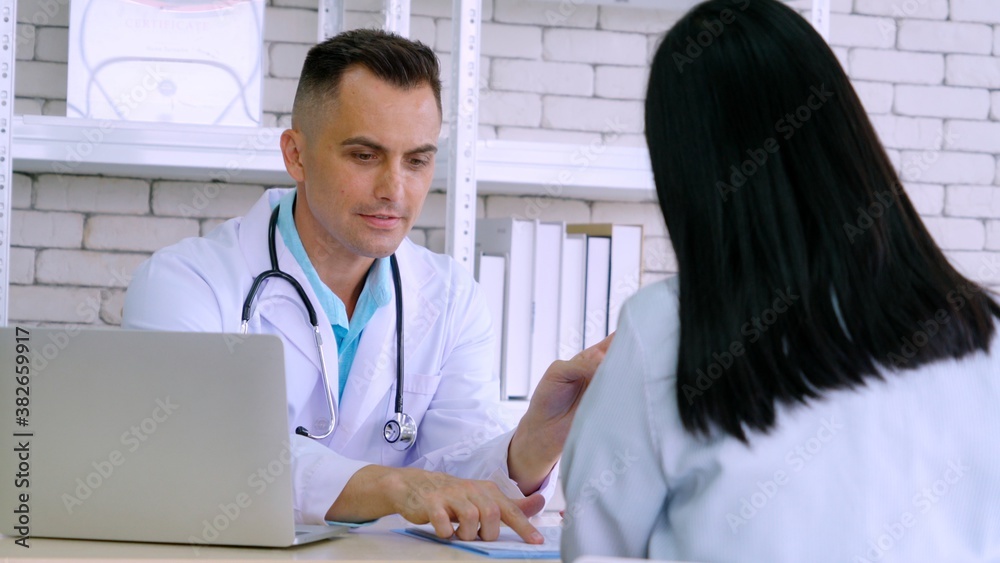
<point x="61" y="145"/>
<point x="46" y="144"/>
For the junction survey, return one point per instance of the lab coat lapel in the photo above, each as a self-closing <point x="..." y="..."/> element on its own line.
<point x="373" y="374"/>
<point x="278" y="302"/>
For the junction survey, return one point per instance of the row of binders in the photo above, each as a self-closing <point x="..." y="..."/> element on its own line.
<point x="552" y="289"/>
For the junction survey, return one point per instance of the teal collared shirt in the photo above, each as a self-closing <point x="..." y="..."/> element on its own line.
<point x="375" y="294"/>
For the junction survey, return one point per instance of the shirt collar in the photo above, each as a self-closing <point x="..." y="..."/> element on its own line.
<point x="376" y="286"/>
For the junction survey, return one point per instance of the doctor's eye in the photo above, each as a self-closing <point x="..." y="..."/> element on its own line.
<point x="364" y="156"/>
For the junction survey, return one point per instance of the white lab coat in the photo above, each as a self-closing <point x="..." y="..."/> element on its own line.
<point x="199" y="284"/>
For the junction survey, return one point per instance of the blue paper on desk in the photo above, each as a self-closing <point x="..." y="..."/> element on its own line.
<point x="508" y="546"/>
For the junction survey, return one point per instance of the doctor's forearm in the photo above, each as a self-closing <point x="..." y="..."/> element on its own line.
<point x="366" y="496"/>
<point x="531" y="457"/>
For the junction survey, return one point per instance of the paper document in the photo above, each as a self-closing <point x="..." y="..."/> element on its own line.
<point x="508" y="546"/>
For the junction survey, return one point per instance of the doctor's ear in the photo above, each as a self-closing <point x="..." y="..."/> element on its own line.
<point x="293" y="144"/>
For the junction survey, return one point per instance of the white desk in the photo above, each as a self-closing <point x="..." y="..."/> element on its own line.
<point x="373" y="543"/>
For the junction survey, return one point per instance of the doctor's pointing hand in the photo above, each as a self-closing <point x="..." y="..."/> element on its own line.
<point x="392" y="403"/>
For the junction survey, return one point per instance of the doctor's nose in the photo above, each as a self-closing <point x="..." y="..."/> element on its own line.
<point x="391" y="185"/>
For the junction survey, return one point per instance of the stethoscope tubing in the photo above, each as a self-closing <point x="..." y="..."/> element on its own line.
<point x="404" y="426"/>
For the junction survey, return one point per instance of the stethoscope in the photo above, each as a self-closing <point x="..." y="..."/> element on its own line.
<point x="401" y="430"/>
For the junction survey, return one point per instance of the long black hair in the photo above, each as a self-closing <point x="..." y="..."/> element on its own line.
<point x="803" y="265"/>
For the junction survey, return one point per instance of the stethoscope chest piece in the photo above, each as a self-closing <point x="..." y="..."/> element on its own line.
<point x="400" y="432"/>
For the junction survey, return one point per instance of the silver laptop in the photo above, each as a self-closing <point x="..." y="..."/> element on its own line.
<point x="146" y="436"/>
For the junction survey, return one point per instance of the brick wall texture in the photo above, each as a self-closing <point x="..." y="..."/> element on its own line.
<point x="928" y="72"/>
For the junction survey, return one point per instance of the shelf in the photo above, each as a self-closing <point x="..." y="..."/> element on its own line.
<point x="61" y="145"/>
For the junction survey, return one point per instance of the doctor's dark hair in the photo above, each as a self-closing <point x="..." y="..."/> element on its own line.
<point x="399" y="61"/>
<point x="803" y="265"/>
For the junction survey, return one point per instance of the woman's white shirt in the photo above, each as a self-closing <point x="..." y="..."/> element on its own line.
<point x="906" y="469"/>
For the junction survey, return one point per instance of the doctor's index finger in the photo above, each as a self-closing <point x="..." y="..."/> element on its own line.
<point x="512" y="515"/>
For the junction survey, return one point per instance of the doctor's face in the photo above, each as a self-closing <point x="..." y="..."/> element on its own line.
<point x="366" y="164"/>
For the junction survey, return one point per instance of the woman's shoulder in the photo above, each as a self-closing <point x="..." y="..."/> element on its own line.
<point x="655" y="305"/>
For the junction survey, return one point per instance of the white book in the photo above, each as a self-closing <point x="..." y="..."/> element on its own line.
<point x="626" y="269"/>
<point x="595" y="320"/>
<point x="625" y="262"/>
<point x="515" y="239"/>
<point x="545" y="322"/>
<point x="573" y="282"/>
<point x="491" y="275"/>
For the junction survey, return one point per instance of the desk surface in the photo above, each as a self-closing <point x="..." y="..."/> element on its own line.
<point x="373" y="543"/>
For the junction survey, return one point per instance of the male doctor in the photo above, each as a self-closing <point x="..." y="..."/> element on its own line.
<point x="365" y="127"/>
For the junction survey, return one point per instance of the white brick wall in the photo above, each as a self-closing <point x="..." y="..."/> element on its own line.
<point x="975" y="11"/>
<point x="876" y="96"/>
<point x="957" y="234"/>
<point x="289" y="25"/>
<point x="591" y="114"/>
<point x="658" y="255"/>
<point x="25" y="42"/>
<point x="115" y="232"/>
<point x="928" y="71"/>
<point x="21" y="193"/>
<point x="942" y="101"/>
<point x="602" y="47"/>
<point x="932" y="9"/>
<point x="54" y="304"/>
<point x="862" y="31"/>
<point x="285" y="59"/>
<point x="43" y="12"/>
<point x="975" y="136"/>
<point x="948" y="167"/>
<point x="927" y="199"/>
<point x="945" y="37"/>
<point x="84" y="267"/>
<point x="571" y="79"/>
<point x="511" y="108"/>
<point x="973" y="201"/>
<point x="22" y="266"/>
<point x="621" y="82"/>
<point x="615" y="18"/>
<point x="46" y="229"/>
<point x="896" y="66"/>
<point x="907" y="132"/>
<point x="973" y="70"/>
<point x="993" y="235"/>
<point x="91" y="194"/>
<point x="40" y="79"/>
<point x="52" y="44"/>
<point x="205" y="200"/>
<point x="545" y="13"/>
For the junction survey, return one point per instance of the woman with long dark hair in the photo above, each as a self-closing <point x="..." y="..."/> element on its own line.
<point x="818" y="383"/>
